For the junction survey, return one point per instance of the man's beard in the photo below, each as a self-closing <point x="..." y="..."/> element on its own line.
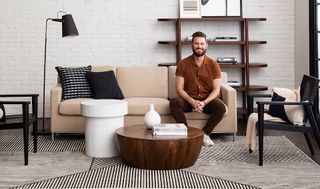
<point x="199" y="54"/>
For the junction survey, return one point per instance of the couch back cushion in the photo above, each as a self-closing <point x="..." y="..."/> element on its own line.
<point x="172" y="81"/>
<point x="103" y="68"/>
<point x="143" y="81"/>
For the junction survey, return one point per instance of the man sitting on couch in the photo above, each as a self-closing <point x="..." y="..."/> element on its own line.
<point x="198" y="85"/>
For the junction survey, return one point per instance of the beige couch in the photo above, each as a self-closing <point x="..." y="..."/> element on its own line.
<point x="141" y="86"/>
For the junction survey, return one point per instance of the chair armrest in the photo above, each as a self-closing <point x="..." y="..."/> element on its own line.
<point x="283" y="103"/>
<point x="250" y="100"/>
<point x="229" y="97"/>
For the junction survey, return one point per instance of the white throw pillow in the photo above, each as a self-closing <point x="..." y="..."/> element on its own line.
<point x="295" y="113"/>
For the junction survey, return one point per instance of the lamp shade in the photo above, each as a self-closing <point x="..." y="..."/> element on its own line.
<point x="69" y="28"/>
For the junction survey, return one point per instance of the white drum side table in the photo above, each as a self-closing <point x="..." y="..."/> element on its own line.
<point x="103" y="117"/>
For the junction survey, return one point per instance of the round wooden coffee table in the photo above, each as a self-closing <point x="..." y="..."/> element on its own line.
<point x="139" y="148"/>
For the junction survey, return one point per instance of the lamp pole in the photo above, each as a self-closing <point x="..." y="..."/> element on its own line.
<point x="44" y="70"/>
<point x="68" y="29"/>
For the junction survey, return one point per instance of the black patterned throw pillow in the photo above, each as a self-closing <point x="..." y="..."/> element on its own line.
<point x="74" y="82"/>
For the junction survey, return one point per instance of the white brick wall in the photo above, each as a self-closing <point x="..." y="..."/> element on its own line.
<point x="125" y="33"/>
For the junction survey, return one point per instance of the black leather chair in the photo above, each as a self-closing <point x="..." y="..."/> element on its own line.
<point x="308" y="92"/>
<point x="22" y="121"/>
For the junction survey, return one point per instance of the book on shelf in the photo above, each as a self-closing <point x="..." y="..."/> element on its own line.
<point x="233" y="83"/>
<point x="169" y="129"/>
<point x="227" y="60"/>
<point x="225" y="39"/>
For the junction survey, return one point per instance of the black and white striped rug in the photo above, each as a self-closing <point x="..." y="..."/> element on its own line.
<point x="61" y="143"/>
<point x="122" y="176"/>
<point x="112" y="173"/>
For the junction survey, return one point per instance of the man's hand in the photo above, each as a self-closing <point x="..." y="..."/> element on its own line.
<point x="197" y="105"/>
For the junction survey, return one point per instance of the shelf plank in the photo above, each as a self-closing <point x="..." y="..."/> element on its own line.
<point x="167" y="19"/>
<point x="219" y="42"/>
<point x="167" y="64"/>
<point x="240" y="88"/>
<point x="216" y="42"/>
<point x="168" y="42"/>
<point x="219" y="19"/>
<point x="257" y="42"/>
<point x="257" y="65"/>
<point x="256" y="19"/>
<point x="258" y="88"/>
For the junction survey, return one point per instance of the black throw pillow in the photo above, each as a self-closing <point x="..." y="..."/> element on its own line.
<point x="74" y="82"/>
<point x="104" y="85"/>
<point x="278" y="110"/>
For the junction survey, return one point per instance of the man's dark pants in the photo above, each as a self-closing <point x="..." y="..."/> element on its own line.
<point x="215" y="107"/>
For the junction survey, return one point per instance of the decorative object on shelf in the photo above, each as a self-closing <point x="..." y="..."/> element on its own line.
<point x="2" y="113"/>
<point x="69" y="29"/>
<point x="227" y="60"/>
<point x="152" y="117"/>
<point x="221" y="8"/>
<point x="189" y="8"/>
<point x="233" y="83"/>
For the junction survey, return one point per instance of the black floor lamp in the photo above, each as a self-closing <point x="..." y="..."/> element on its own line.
<point x="69" y="29"/>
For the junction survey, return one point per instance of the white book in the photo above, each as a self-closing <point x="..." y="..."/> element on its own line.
<point x="170" y="133"/>
<point x="169" y="127"/>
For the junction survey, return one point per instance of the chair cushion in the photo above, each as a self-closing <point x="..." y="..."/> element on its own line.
<point x="140" y="106"/>
<point x="104" y="85"/>
<point x="290" y="113"/>
<point x="74" y="82"/>
<point x="71" y="106"/>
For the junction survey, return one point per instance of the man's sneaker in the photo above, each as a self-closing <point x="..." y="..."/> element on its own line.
<point x="207" y="140"/>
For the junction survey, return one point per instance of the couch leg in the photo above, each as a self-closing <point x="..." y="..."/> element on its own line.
<point x="234" y="137"/>
<point x="52" y="137"/>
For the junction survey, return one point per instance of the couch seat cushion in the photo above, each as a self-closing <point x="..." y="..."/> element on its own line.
<point x="71" y="106"/>
<point x="140" y="106"/>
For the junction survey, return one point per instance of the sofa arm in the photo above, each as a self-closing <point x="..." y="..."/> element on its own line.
<point x="56" y="94"/>
<point x="229" y="97"/>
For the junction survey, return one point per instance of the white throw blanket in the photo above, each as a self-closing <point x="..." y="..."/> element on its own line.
<point x="252" y="129"/>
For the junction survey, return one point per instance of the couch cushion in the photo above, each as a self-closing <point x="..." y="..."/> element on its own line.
<point x="102" y="68"/>
<point x="145" y="82"/>
<point x="140" y="106"/>
<point x="74" y="82"/>
<point x="172" y="81"/>
<point x="71" y="106"/>
<point x="104" y="85"/>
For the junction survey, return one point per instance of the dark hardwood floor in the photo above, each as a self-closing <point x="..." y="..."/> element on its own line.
<point x="295" y="137"/>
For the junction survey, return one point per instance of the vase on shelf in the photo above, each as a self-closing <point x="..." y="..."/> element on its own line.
<point x="151" y="117"/>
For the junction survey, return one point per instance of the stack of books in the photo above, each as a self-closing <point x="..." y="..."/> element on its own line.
<point x="169" y="129"/>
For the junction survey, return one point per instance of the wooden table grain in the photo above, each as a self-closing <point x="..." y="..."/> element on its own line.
<point x="139" y="148"/>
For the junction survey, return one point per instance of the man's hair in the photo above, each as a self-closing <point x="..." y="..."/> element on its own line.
<point x="199" y="34"/>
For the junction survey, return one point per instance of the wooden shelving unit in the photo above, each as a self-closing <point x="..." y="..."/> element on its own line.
<point x="244" y="42"/>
